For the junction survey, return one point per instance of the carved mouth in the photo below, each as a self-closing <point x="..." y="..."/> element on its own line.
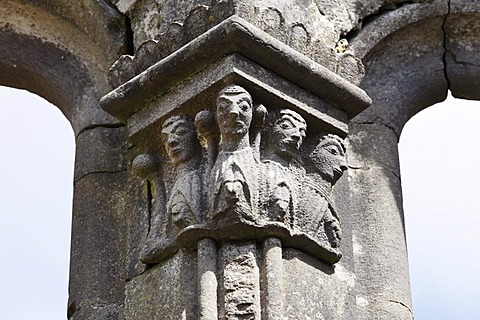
<point x="337" y="173"/>
<point x="292" y="143"/>
<point x="176" y="150"/>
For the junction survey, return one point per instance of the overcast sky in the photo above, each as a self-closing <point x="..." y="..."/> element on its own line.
<point x="440" y="153"/>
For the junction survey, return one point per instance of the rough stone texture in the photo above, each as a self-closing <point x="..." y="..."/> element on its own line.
<point x="462" y="44"/>
<point x="207" y="257"/>
<point x="379" y="245"/>
<point x="162" y="28"/>
<point x="315" y="290"/>
<point x="166" y="291"/>
<point x="273" y="280"/>
<point x="54" y="53"/>
<point x="98" y="227"/>
<point x="138" y="212"/>
<point x="240" y="282"/>
<point x="412" y="52"/>
<point x="100" y="150"/>
<point x="403" y="62"/>
<point x="101" y="312"/>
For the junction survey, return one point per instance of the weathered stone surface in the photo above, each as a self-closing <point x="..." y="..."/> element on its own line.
<point x="298" y="59"/>
<point x="403" y="61"/>
<point x="240" y="282"/>
<point x="240" y="165"/>
<point x="386" y="23"/>
<point x="98" y="312"/>
<point x="234" y="36"/>
<point x="379" y="245"/>
<point x="71" y="72"/>
<point x="462" y="44"/>
<point x="373" y="145"/>
<point x="101" y="150"/>
<point x="315" y="290"/>
<point x="300" y="25"/>
<point x="98" y="241"/>
<point x="138" y="212"/>
<point x="166" y="291"/>
<point x="207" y="258"/>
<point x="273" y="280"/>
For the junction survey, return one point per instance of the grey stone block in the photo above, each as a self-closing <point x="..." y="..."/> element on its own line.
<point x="379" y="244"/>
<point x="462" y="43"/>
<point x="101" y="150"/>
<point x="166" y="291"/>
<point x="98" y="241"/>
<point x="403" y="61"/>
<point x="98" y="312"/>
<point x="373" y="145"/>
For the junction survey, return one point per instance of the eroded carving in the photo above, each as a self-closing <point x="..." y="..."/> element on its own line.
<point x="185" y="204"/>
<point x="261" y="171"/>
<point x="234" y="174"/>
<point x="317" y="215"/>
<point x="284" y="134"/>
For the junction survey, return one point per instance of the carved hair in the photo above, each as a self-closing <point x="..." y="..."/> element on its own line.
<point x="177" y="118"/>
<point x="276" y="115"/>
<point x="235" y="89"/>
<point x="327" y="138"/>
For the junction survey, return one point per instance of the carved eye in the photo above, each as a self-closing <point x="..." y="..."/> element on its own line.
<point x="333" y="151"/>
<point x="244" y="105"/>
<point x="181" y="131"/>
<point x="285" y="125"/>
<point x="222" y="105"/>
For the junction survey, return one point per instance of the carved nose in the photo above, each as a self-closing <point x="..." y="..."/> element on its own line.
<point x="296" y="136"/>
<point x="233" y="110"/>
<point x="343" y="165"/>
<point x="172" y="140"/>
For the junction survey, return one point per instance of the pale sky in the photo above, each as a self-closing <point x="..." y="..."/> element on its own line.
<point x="439" y="148"/>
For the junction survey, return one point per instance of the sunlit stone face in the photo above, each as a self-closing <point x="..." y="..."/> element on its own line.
<point x="180" y="139"/>
<point x="287" y="133"/>
<point x="234" y="112"/>
<point x="329" y="158"/>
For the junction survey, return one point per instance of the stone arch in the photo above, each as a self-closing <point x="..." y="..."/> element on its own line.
<point x="412" y="55"/>
<point x="62" y="50"/>
<point x="49" y="49"/>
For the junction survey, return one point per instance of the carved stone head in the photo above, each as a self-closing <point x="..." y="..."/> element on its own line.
<point x="285" y="134"/>
<point x="180" y="139"/>
<point x="328" y="158"/>
<point x="234" y="112"/>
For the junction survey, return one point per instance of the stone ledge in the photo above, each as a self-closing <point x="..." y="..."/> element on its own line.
<point x="234" y="35"/>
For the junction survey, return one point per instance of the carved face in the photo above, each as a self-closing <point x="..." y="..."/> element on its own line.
<point x="329" y="158"/>
<point x="180" y="139"/>
<point x="234" y="112"/>
<point x="288" y="133"/>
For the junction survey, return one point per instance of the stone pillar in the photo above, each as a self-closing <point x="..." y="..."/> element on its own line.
<point x="379" y="243"/>
<point x="97" y="276"/>
<point x="238" y="113"/>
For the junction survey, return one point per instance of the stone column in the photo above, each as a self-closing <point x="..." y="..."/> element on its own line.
<point x="238" y="112"/>
<point x="97" y="276"/>
<point x="379" y="243"/>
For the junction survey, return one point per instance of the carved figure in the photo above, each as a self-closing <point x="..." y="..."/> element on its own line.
<point x="185" y="204"/>
<point x="233" y="175"/>
<point x="283" y="137"/>
<point x="317" y="215"/>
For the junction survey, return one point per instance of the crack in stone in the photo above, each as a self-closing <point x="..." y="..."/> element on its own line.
<point x="389" y="7"/>
<point x="105" y="125"/>
<point x="445" y="49"/>
<point x="101" y="172"/>
<point x="402" y="304"/>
